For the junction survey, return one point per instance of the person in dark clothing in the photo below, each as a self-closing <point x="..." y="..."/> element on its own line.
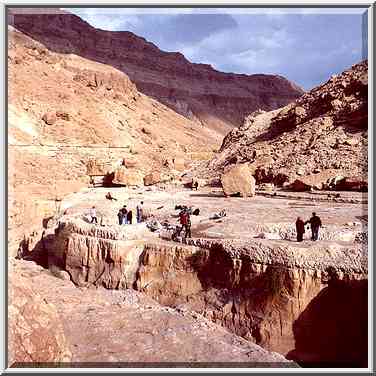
<point x="124" y="212"/>
<point x="315" y="223"/>
<point x="140" y="212"/>
<point x="120" y="216"/>
<point x="129" y="217"/>
<point x="300" y="230"/>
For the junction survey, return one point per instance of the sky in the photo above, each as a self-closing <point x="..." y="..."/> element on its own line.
<point x="304" y="45"/>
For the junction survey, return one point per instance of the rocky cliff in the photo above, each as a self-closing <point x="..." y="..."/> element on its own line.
<point x="65" y="110"/>
<point x="197" y="91"/>
<point x="281" y="296"/>
<point x="322" y="135"/>
<point x="278" y="297"/>
<point x="85" y="327"/>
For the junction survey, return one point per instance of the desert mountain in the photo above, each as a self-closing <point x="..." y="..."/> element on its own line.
<point x="322" y="135"/>
<point x="65" y="110"/>
<point x="197" y="91"/>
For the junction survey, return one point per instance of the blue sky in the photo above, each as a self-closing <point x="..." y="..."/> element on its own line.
<point x="304" y="45"/>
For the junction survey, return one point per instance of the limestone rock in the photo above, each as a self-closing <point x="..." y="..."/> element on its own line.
<point x="353" y="183"/>
<point x="35" y="330"/>
<point x="128" y="326"/>
<point x="49" y="118"/>
<point x="95" y="167"/>
<point x="324" y="129"/>
<point x="179" y="164"/>
<point x="103" y="256"/>
<point x="174" y="80"/>
<point x="63" y="115"/>
<point x="299" y="185"/>
<point x="238" y="179"/>
<point x="152" y="178"/>
<point x="123" y="176"/>
<point x="129" y="163"/>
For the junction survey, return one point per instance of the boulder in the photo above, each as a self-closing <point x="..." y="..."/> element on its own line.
<point x="146" y="131"/>
<point x="238" y="179"/>
<point x="124" y="176"/>
<point x="35" y="331"/>
<point x="63" y="115"/>
<point x="267" y="187"/>
<point x="179" y="164"/>
<point x="95" y="167"/>
<point x="49" y="118"/>
<point x="300" y="111"/>
<point x="129" y="163"/>
<point x="298" y="185"/>
<point x="352" y="183"/>
<point x="152" y="178"/>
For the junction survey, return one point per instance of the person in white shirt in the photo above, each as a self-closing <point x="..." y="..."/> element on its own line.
<point x="93" y="214"/>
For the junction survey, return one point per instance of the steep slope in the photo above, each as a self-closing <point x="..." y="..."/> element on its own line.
<point x="218" y="100"/>
<point x="321" y="135"/>
<point x="64" y="110"/>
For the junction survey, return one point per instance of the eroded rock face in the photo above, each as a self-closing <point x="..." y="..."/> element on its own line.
<point x="323" y="131"/>
<point x="128" y="177"/>
<point x="35" y="330"/>
<point x="101" y="256"/>
<point x="106" y="115"/>
<point x="259" y="289"/>
<point x="152" y="178"/>
<point x="125" y="326"/>
<point x="197" y="91"/>
<point x="262" y="294"/>
<point x="96" y="167"/>
<point x="238" y="180"/>
<point x="49" y="118"/>
<point x="317" y="337"/>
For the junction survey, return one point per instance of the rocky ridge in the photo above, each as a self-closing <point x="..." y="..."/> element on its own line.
<point x="255" y="288"/>
<point x="199" y="92"/>
<point x="65" y="111"/>
<point x="320" y="136"/>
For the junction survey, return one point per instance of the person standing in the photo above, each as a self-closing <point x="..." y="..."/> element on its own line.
<point x="140" y="212"/>
<point x="185" y="222"/>
<point x="93" y="214"/>
<point x="129" y="217"/>
<point x="124" y="212"/>
<point x="300" y="230"/>
<point x="120" y="216"/>
<point x="315" y="223"/>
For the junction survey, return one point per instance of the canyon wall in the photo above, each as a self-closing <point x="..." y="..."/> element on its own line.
<point x="284" y="298"/>
<point x="197" y="91"/>
<point x="317" y="141"/>
<point x="65" y="111"/>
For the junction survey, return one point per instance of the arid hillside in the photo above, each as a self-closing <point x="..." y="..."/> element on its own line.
<point x="323" y="135"/>
<point x="197" y="91"/>
<point x="64" y="110"/>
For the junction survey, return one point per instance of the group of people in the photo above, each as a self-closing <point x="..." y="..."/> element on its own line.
<point x="315" y="223"/>
<point x="125" y="215"/>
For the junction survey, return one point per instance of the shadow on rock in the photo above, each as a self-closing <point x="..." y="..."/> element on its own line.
<point x="333" y="330"/>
